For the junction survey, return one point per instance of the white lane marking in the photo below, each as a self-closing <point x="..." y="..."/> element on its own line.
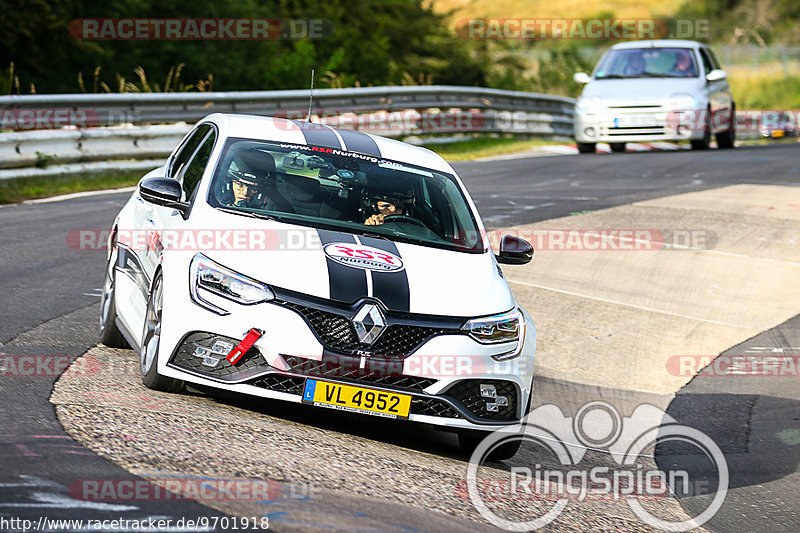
<point x="48" y="499"/>
<point x="78" y="195"/>
<point x="96" y="292"/>
<point x="634" y="306"/>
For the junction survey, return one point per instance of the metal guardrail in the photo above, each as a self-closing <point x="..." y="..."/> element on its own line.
<point x="160" y="108"/>
<point x="388" y="111"/>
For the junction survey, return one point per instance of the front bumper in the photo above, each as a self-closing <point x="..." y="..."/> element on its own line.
<point x="633" y="125"/>
<point x="443" y="372"/>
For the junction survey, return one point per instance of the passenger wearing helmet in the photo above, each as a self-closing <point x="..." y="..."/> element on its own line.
<point x="246" y="182"/>
<point x="244" y="187"/>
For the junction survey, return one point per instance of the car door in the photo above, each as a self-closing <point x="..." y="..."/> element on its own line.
<point x="719" y="93"/>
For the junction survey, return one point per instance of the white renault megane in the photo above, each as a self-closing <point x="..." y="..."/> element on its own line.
<point x="294" y="261"/>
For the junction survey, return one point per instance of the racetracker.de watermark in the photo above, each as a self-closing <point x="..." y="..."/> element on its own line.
<point x="633" y="478"/>
<point x="741" y="365"/>
<point x="744" y="120"/>
<point x="188" y="488"/>
<point x="600" y="239"/>
<point x="47" y="118"/>
<point x="601" y="29"/>
<point x="197" y="29"/>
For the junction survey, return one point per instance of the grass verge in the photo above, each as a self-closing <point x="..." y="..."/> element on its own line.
<point x="17" y="190"/>
<point x="485" y="147"/>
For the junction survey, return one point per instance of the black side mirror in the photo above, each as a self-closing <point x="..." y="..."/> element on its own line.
<point x="514" y="251"/>
<point x="165" y="192"/>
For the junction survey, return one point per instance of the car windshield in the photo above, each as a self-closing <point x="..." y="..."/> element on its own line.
<point x="647" y="63"/>
<point x="344" y="191"/>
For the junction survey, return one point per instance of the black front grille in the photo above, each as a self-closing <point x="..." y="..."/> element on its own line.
<point x="250" y="363"/>
<point x="432" y="407"/>
<point x="468" y="394"/>
<point x="376" y="373"/>
<point x="280" y="383"/>
<point x="336" y="333"/>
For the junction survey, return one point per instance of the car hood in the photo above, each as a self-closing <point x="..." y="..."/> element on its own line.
<point x="645" y="91"/>
<point x="345" y="267"/>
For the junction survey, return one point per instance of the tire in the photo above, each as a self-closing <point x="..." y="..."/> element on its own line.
<point x="617" y="147"/>
<point x="467" y="442"/>
<point x="110" y="335"/>
<point x="705" y="142"/>
<point x="727" y="139"/>
<point x="151" y="340"/>
<point x="587" y="148"/>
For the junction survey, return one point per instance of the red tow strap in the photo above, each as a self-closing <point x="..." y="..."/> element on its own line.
<point x="250" y="339"/>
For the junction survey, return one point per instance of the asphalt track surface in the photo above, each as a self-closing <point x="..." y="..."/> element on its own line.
<point x="51" y="289"/>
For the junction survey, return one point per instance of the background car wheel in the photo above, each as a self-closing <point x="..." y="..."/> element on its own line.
<point x="587" y="148"/>
<point x="617" y="147"/>
<point x="110" y="335"/>
<point x="727" y="139"/>
<point x="151" y="340"/>
<point x="705" y="142"/>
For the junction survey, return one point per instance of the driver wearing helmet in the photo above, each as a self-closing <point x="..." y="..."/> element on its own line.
<point x="385" y="207"/>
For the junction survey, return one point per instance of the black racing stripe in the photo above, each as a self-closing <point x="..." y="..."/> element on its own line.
<point x="391" y="288"/>
<point x="347" y="284"/>
<point x="355" y="141"/>
<point x="318" y="135"/>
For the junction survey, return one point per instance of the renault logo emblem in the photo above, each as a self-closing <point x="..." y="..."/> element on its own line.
<point x="369" y="323"/>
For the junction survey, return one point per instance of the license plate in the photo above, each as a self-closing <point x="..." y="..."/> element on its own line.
<point x="356" y="399"/>
<point x="777" y="133"/>
<point x="635" y="122"/>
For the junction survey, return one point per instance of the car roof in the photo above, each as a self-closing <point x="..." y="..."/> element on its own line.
<point x="289" y="131"/>
<point x="657" y="43"/>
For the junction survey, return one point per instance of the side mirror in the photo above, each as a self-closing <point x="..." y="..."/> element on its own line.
<point x="716" y="75"/>
<point x="581" y="77"/>
<point x="165" y="192"/>
<point x="514" y="251"/>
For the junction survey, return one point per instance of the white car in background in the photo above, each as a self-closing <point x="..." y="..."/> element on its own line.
<point x="660" y="90"/>
<point x="410" y="318"/>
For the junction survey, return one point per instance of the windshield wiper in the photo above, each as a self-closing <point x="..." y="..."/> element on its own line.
<point x="252" y="214"/>
<point x="612" y="77"/>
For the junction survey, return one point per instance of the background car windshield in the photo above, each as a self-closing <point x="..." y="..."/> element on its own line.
<point x="648" y="63"/>
<point x="340" y="190"/>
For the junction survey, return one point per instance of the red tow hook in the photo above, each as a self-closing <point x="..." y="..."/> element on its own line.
<point x="250" y="339"/>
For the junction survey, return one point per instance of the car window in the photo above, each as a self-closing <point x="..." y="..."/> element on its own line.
<point x="714" y="61"/>
<point x="187" y="149"/>
<point x="344" y="191"/>
<point x="191" y="173"/>
<point x="708" y="65"/>
<point x="647" y="63"/>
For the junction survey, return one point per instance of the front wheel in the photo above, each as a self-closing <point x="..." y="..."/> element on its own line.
<point x="110" y="335"/>
<point x="617" y="147"/>
<point x="587" y="148"/>
<point x="151" y="340"/>
<point x="705" y="142"/>
<point x="727" y="139"/>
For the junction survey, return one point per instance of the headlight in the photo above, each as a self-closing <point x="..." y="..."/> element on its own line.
<point x="591" y="104"/>
<point x="682" y="101"/>
<point x="506" y="327"/>
<point x="210" y="276"/>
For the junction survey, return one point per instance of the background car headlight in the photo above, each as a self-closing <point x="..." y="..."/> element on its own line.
<point x="213" y="277"/>
<point x="506" y="327"/>
<point x="682" y="101"/>
<point x="588" y="104"/>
